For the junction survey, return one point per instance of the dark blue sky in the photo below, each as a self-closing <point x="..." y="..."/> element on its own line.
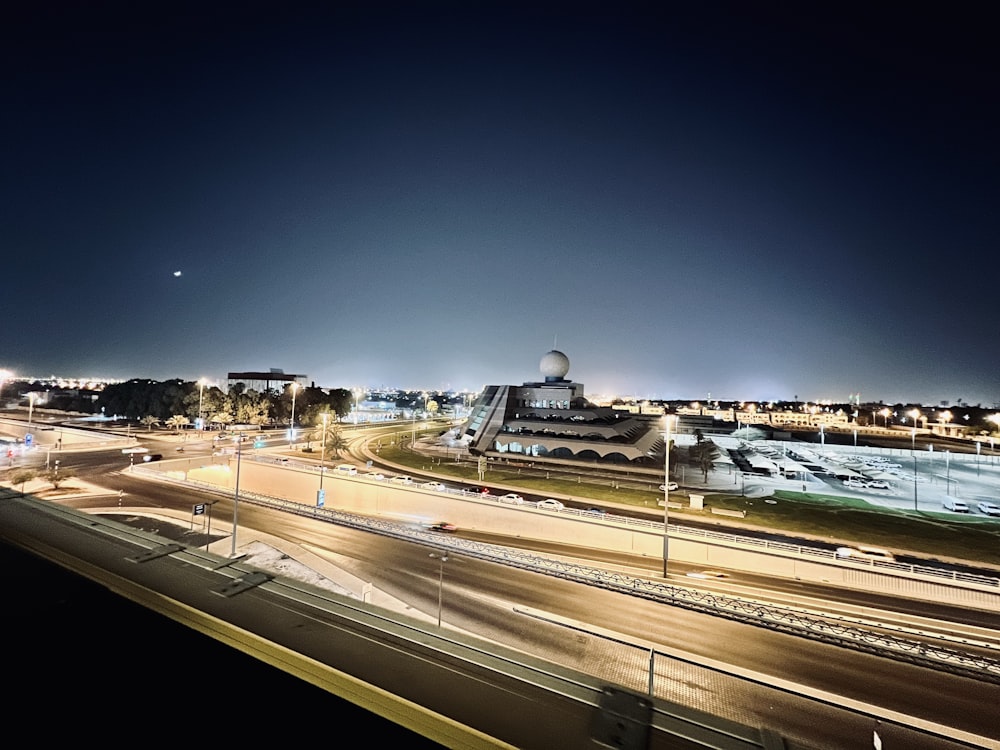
<point x="747" y="204"/>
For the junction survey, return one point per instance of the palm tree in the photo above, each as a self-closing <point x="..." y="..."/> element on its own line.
<point x="149" y="421"/>
<point x="333" y="440"/>
<point x="177" y="421"/>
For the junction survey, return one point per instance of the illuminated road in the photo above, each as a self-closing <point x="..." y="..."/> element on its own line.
<point x="481" y="598"/>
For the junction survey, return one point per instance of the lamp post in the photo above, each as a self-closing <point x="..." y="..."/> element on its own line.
<point x="201" y="397"/>
<point x="236" y="494"/>
<point x="322" y="456"/>
<point x="914" y="482"/>
<point x="291" y="423"/>
<point x="913" y="440"/>
<point x="442" y="559"/>
<point x="666" y="493"/>
<point x="31" y="407"/>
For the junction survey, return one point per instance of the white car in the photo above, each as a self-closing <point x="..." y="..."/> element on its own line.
<point x="401" y="479"/>
<point x="511" y="498"/>
<point x="990" y="509"/>
<point x="877" y="484"/>
<point x="550" y="504"/>
<point x="436" y="486"/>
<point x="855" y="483"/>
<point x="375" y="475"/>
<point x="669" y="487"/>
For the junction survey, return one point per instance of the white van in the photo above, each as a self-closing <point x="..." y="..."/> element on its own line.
<point x="957" y="506"/>
<point x="349" y="469"/>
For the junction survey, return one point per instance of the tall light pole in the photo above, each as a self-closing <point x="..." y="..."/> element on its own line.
<point x="914" y="481"/>
<point x="442" y="559"/>
<point x="291" y="424"/>
<point x="31" y="407"/>
<point x="201" y="397"/>
<point x="236" y="495"/>
<point x="322" y="458"/>
<point x="913" y="440"/>
<point x="666" y="493"/>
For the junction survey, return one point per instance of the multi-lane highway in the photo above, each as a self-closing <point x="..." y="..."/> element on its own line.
<point x="603" y="632"/>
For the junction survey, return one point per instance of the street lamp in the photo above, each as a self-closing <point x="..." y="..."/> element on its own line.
<point x="31" y="407"/>
<point x="322" y="455"/>
<point x="201" y="395"/>
<point x="666" y="493"/>
<point x="914" y="481"/>
<point x="236" y="494"/>
<point x="291" y="424"/>
<point x="885" y="415"/>
<point x="442" y="559"/>
<point x="916" y="416"/>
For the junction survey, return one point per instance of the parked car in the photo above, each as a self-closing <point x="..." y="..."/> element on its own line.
<point x="436" y="486"/>
<point x="857" y="484"/>
<point x="669" y="487"/>
<point x="990" y="509"/>
<point x="511" y="498"/>
<point x="550" y="504"/>
<point x="878" y="484"/>
<point x="957" y="506"/>
<point x="442" y="526"/>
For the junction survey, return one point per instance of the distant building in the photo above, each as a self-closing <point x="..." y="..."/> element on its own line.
<point x="554" y="419"/>
<point x="273" y="380"/>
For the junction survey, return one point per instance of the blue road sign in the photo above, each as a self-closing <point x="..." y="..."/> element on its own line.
<point x="27" y="440"/>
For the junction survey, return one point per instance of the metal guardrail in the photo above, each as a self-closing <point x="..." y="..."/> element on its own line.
<point x="825" y="628"/>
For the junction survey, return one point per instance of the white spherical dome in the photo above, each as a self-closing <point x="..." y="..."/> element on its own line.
<point x="554" y="364"/>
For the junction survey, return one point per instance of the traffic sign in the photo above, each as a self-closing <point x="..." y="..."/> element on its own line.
<point x="199" y="509"/>
<point x="27" y="440"/>
<point x="320" y="498"/>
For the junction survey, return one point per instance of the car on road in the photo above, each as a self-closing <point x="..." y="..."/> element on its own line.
<point x="477" y="490"/>
<point x="401" y="479"/>
<point x="152" y="457"/>
<point x="858" y="484"/>
<point x="990" y="509"/>
<point x="708" y="574"/>
<point x="669" y="487"/>
<point x="511" y="498"/>
<point x="436" y="486"/>
<point x="865" y="552"/>
<point x="596" y="511"/>
<point x="378" y="477"/>
<point x="349" y="469"/>
<point x="550" y="504"/>
<point x="442" y="526"/>
<point x="877" y="484"/>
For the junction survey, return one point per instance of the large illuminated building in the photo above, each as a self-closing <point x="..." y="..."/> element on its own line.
<point x="553" y="419"/>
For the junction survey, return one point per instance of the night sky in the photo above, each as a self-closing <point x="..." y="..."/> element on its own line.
<point x="737" y="202"/>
